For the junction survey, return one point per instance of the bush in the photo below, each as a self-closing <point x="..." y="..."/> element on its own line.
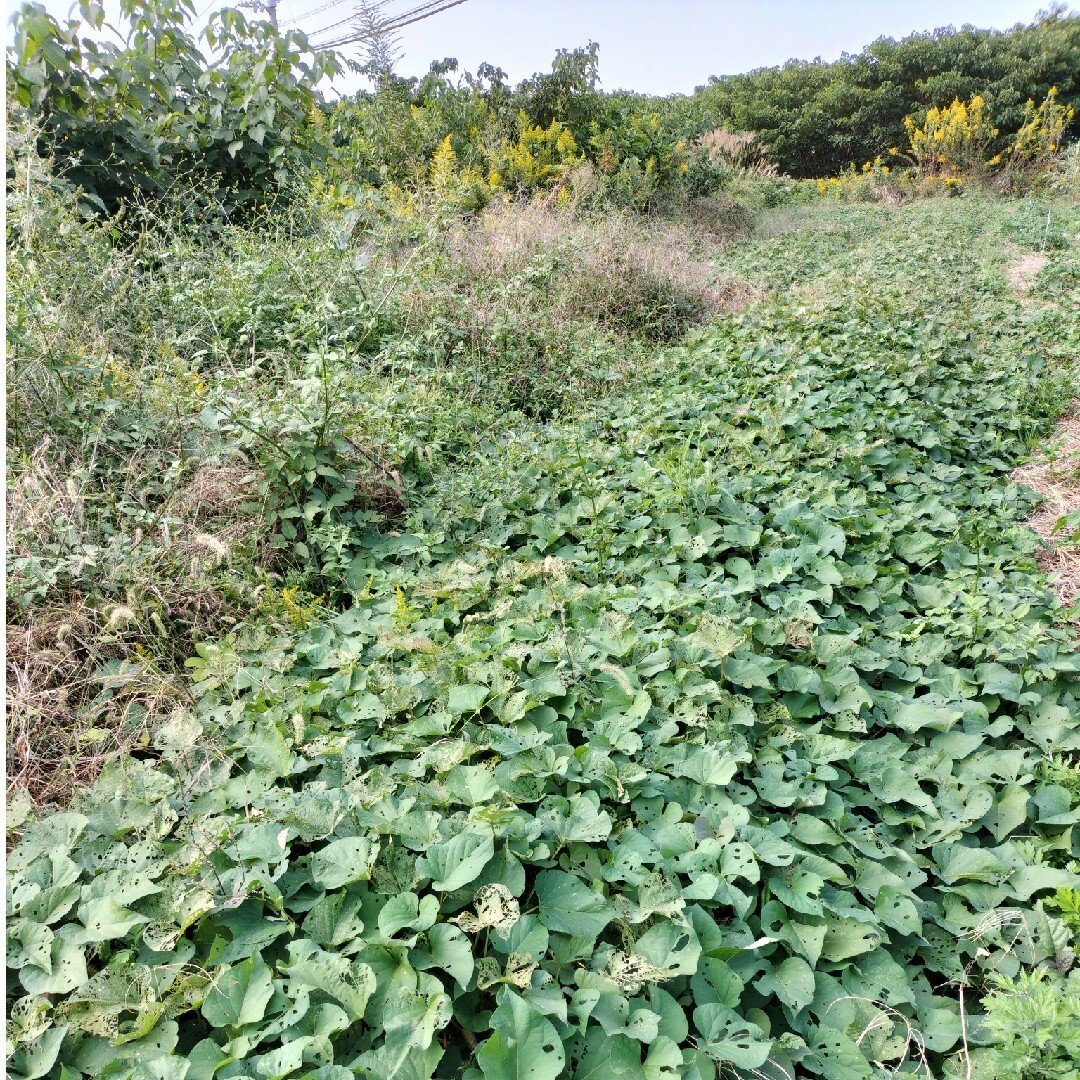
<point x="1036" y="1020"/>
<point x="952" y="141"/>
<point x="151" y="116"/>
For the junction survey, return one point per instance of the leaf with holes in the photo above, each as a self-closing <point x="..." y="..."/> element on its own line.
<point x="524" y="1045"/>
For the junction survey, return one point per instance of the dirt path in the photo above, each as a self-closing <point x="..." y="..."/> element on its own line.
<point x="1022" y="272"/>
<point x="1054" y="474"/>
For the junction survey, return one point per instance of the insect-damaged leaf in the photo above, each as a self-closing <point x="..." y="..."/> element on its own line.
<point x="792" y="982"/>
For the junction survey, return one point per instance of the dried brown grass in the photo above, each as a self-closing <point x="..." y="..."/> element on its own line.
<point x="215" y="490"/>
<point x="65" y="716"/>
<point x="41" y="499"/>
<point x="93" y="668"/>
<point x="741" y="151"/>
<point x="607" y="269"/>
<point x="1054" y="474"/>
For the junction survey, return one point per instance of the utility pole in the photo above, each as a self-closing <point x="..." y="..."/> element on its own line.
<point x="269" y="6"/>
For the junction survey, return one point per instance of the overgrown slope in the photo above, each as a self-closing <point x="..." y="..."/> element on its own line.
<point x="724" y="727"/>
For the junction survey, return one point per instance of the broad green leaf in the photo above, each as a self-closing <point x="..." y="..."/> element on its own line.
<point x="845" y="938"/>
<point x="664" y="1060"/>
<point x="837" y="1055"/>
<point x="67" y="968"/>
<point x="334" y="919"/>
<point x="467" y="698"/>
<point x="449" y="949"/>
<point x="36" y="1059"/>
<point x="283" y="1060"/>
<point x="792" y="982"/>
<point x="239" y="994"/>
<point x="471" y="784"/>
<point x="408" y="911"/>
<point x="453" y="863"/>
<point x="915" y="715"/>
<point x="1028" y="880"/>
<point x="523" y="1045"/>
<point x="896" y="910"/>
<point x="104" y="919"/>
<point x="727" y="1038"/>
<point x="568" y="906"/>
<point x="671" y="947"/>
<point x="709" y="767"/>
<point x="342" y="862"/>
<point x="348" y="982"/>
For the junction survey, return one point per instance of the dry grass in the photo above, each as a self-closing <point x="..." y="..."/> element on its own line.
<point x="1056" y="477"/>
<point x="549" y="307"/>
<point x="1054" y="474"/>
<point x="740" y="151"/>
<point x="93" y="665"/>
<point x="41" y="500"/>
<point x="607" y="267"/>
<point x="68" y="708"/>
<point x="214" y="490"/>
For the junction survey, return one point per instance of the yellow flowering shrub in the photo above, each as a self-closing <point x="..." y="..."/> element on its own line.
<point x="464" y="188"/>
<point x="952" y="140"/>
<point x="444" y="169"/>
<point x="286" y="606"/>
<point x="1040" y="135"/>
<point x="329" y="194"/>
<point x="871" y="183"/>
<point x="537" y="160"/>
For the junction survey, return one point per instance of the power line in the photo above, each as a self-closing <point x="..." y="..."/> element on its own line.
<point x="333" y="26"/>
<point x="314" y="11"/>
<point x="387" y="26"/>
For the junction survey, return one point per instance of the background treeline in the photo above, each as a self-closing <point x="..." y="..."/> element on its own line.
<point x="238" y="110"/>
<point x="815" y="118"/>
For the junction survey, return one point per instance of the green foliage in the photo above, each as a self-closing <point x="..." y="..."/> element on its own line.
<point x="1037" y="1021"/>
<point x="538" y="308"/>
<point x="701" y="731"/>
<point x="1069" y="525"/>
<point x="816" y="118"/>
<point x="144" y="116"/>
<point x="567" y="93"/>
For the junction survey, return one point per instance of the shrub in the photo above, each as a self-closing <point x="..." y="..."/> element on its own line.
<point x="151" y="115"/>
<point x="1035" y="1019"/>
<point x="1036" y="157"/>
<point x="952" y="141"/>
<point x="539" y="158"/>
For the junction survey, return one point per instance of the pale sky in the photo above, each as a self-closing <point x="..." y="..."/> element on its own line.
<point x="668" y="47"/>
<point x="653" y="46"/>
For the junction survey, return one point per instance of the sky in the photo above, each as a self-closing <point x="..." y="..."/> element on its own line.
<point x="668" y="46"/>
<point x="652" y="46"/>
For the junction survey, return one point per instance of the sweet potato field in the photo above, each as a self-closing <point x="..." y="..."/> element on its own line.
<point x="720" y="723"/>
